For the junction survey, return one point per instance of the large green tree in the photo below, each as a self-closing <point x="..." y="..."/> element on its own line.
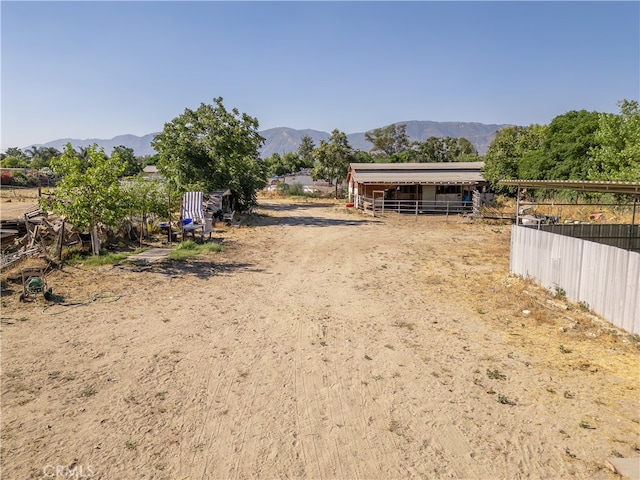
<point x="332" y="159"/>
<point x="275" y="165"/>
<point x="13" y="157"/>
<point x="147" y="197"/>
<point x="444" y="149"/>
<point x="48" y="154"/>
<point x="504" y="157"/>
<point x="133" y="165"/>
<point x="389" y="140"/>
<point x="89" y="193"/>
<point x="569" y="138"/>
<point x="213" y="148"/>
<point x="360" y="156"/>
<point x="617" y="153"/>
<point x="305" y="150"/>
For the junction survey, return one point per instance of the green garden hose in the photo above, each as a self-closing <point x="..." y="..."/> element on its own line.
<point x="35" y="285"/>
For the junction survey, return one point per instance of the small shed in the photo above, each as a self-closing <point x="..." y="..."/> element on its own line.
<point x="218" y="201"/>
<point x="151" y="172"/>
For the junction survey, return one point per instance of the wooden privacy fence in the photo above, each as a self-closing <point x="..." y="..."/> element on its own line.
<point x="604" y="277"/>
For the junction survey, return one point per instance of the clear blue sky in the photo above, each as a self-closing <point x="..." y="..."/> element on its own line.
<point x="101" y="69"/>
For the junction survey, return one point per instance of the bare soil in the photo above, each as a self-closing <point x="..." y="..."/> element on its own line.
<point x="320" y="343"/>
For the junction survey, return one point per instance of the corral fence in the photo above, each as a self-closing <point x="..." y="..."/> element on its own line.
<point x="379" y="206"/>
<point x="605" y="278"/>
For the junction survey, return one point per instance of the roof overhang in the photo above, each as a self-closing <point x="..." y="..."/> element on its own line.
<point x="419" y="178"/>
<point x="620" y="188"/>
<point x="452" y="173"/>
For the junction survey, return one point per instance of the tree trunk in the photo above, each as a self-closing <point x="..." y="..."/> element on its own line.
<point x="60" y="241"/>
<point x="95" y="240"/>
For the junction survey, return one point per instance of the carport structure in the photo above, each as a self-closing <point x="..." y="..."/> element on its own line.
<point x="595" y="265"/>
<point x="617" y="188"/>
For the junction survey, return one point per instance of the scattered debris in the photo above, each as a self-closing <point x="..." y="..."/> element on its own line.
<point x="34" y="235"/>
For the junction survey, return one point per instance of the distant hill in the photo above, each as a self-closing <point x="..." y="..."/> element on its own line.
<point x="140" y="145"/>
<point x="282" y="139"/>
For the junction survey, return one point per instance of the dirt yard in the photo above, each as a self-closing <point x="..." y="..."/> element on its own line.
<point x="320" y="344"/>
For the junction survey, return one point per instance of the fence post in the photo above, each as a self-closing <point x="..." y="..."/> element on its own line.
<point x="633" y="221"/>
<point x="416" y="208"/>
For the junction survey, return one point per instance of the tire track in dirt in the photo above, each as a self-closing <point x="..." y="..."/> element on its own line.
<point x="316" y="381"/>
<point x="325" y="418"/>
<point x="318" y="345"/>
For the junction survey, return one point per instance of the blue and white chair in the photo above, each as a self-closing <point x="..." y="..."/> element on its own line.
<point x="192" y="217"/>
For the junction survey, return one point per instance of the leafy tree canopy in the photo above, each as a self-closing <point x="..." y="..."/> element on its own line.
<point x="360" y="156"/>
<point x="443" y="149"/>
<point x="333" y="158"/>
<point x="274" y="165"/>
<point x="569" y="138"/>
<point x="504" y="156"/>
<point x="14" y="152"/>
<point x="13" y="157"/>
<point x="305" y="150"/>
<point x="213" y="148"/>
<point x="577" y="145"/>
<point x="617" y="153"/>
<point x="89" y="192"/>
<point x="133" y="165"/>
<point x="14" y="162"/>
<point x="389" y="140"/>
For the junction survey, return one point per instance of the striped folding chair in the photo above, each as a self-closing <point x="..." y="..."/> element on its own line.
<point x="191" y="213"/>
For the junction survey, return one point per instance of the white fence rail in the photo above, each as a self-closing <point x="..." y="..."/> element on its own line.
<point x="378" y="206"/>
<point x="604" y="277"/>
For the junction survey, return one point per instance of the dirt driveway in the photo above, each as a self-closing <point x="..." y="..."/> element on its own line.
<point x="319" y="344"/>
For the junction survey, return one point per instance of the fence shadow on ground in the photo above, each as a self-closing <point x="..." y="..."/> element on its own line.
<point x="283" y="207"/>
<point x="267" y="221"/>
<point x="263" y="216"/>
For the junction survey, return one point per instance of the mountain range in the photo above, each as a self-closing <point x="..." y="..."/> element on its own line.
<point x="283" y="139"/>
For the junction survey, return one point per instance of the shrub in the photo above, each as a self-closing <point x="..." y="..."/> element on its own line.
<point x="20" y="179"/>
<point x="6" y="178"/>
<point x="32" y="179"/>
<point x="282" y="188"/>
<point x="296" y="189"/>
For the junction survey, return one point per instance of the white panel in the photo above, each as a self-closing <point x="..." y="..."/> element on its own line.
<point x="605" y="277"/>
<point x="632" y="294"/>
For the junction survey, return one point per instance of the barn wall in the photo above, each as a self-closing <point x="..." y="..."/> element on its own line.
<point x="605" y="277"/>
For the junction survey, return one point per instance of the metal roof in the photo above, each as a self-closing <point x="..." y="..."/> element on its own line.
<point x="466" y="173"/>
<point x="622" y="188"/>
<point x="434" y="178"/>
<point x="418" y="166"/>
